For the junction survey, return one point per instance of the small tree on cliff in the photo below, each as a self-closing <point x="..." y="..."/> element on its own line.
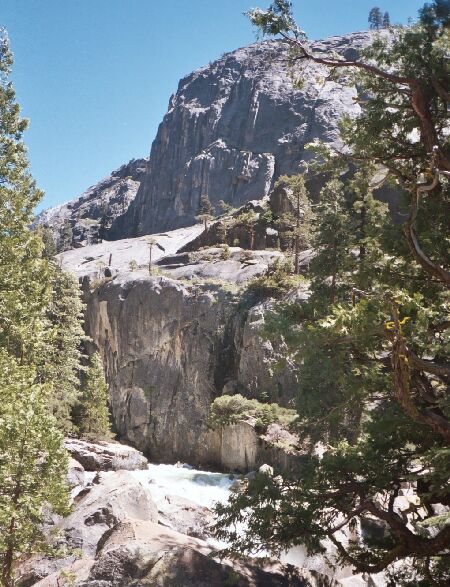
<point x="295" y="225"/>
<point x="93" y="413"/>
<point x="375" y="18"/>
<point x="205" y="210"/>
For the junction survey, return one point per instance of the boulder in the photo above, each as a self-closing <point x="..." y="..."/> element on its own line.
<point x="105" y="456"/>
<point x="185" y="516"/>
<point x="75" y="474"/>
<point x="114" y="497"/>
<point x="145" y="554"/>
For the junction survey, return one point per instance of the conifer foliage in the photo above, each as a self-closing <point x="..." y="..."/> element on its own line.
<point x="295" y="224"/>
<point x="371" y="344"/>
<point x="33" y="462"/>
<point x="376" y="18"/>
<point x="93" y="414"/>
<point x="205" y="210"/>
<point x="63" y="360"/>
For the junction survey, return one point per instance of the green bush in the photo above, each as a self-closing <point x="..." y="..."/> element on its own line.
<point x="97" y="283"/>
<point x="229" y="409"/>
<point x="226" y="253"/>
<point x="278" y="280"/>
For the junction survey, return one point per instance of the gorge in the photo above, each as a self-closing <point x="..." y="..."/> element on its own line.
<point x="183" y="259"/>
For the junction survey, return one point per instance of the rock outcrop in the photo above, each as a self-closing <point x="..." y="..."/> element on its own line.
<point x="145" y="554"/>
<point x="104" y="456"/>
<point x="233" y="127"/>
<point x="185" y="516"/>
<point x="169" y="349"/>
<point x="113" y="498"/>
<point x="116" y="536"/>
<point x="116" y="496"/>
<point x="89" y="216"/>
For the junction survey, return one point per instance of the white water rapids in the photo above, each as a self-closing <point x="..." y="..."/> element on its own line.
<point x="207" y="488"/>
<point x="201" y="487"/>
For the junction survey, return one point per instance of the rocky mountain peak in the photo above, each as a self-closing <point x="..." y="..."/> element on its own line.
<point x="231" y="129"/>
<point x="87" y="216"/>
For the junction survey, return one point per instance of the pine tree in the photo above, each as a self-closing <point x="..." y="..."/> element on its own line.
<point x="25" y="288"/>
<point x="331" y="241"/>
<point x="205" y="210"/>
<point x="33" y="464"/>
<point x="247" y="220"/>
<point x="295" y="225"/>
<point x="373" y="365"/>
<point x="386" y="20"/>
<point x="104" y="224"/>
<point x="375" y="18"/>
<point x="63" y="360"/>
<point x="435" y="14"/>
<point x="93" y="414"/>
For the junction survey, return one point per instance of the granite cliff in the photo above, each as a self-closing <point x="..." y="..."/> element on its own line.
<point x="231" y="129"/>
<point x="89" y="216"/>
<point x="175" y="340"/>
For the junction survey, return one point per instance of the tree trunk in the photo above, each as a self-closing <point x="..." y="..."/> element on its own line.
<point x="7" y="579"/>
<point x="297" y="238"/>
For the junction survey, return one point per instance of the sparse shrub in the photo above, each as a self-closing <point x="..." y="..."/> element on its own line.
<point x="229" y="409"/>
<point x="278" y="280"/>
<point x="225" y="207"/>
<point x="226" y="253"/>
<point x="133" y="265"/>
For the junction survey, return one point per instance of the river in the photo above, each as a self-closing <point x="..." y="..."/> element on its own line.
<point x="207" y="488"/>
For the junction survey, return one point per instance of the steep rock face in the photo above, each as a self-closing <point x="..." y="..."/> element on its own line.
<point x="169" y="349"/>
<point x="94" y="211"/>
<point x="233" y="127"/>
<point x="158" y="342"/>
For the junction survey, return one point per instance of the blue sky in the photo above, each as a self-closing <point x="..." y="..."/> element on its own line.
<point x="95" y="76"/>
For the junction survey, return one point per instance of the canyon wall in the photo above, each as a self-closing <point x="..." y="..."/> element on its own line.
<point x="236" y="125"/>
<point x="231" y="129"/>
<point x="169" y="348"/>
